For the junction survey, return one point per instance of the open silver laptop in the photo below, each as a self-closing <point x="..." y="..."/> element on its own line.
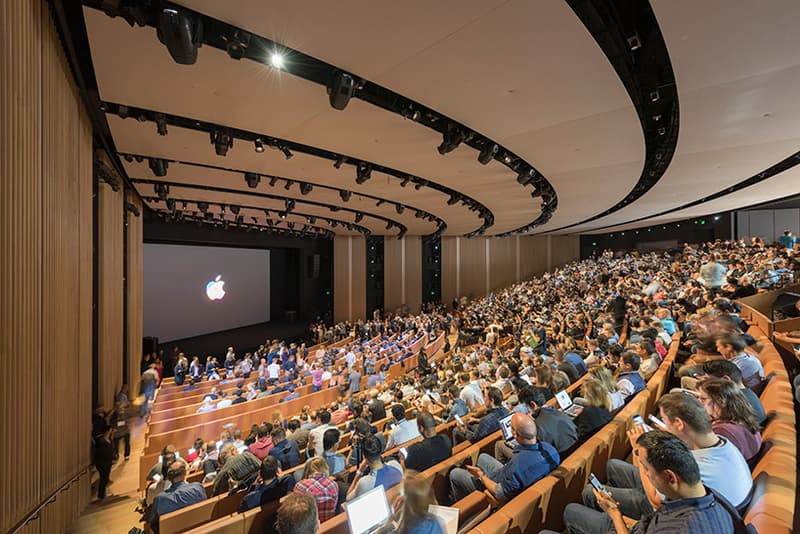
<point x="565" y="403"/>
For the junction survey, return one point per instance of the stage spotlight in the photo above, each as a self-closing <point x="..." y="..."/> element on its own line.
<point x="252" y="179"/>
<point x="128" y="158"/>
<point x="237" y="45"/>
<point x="259" y="145"/>
<point x="282" y="214"/>
<point x="526" y="176"/>
<point x="363" y="173"/>
<point x="288" y="185"/>
<point x="340" y="89"/>
<point x="203" y="206"/>
<point x="272" y="181"/>
<point x="286" y="152"/>
<point x="305" y="189"/>
<point x="418" y="214"/>
<point x="451" y="138"/>
<point x="454" y="198"/>
<point x="389" y="225"/>
<point x="401" y="235"/>
<point x="159" y="166"/>
<point x="488" y="152"/>
<point x="379" y="202"/>
<point x="138" y="159"/>
<point x="181" y="33"/>
<point x="171" y="205"/>
<point x="359" y="217"/>
<point x="338" y="163"/>
<point x="419" y="185"/>
<point x="399" y="208"/>
<point x="235" y="210"/>
<point x="277" y="60"/>
<point x="222" y="141"/>
<point x="312" y="219"/>
<point x="161" y="123"/>
<point x="162" y="190"/>
<point x="289" y="204"/>
<point x="345" y="195"/>
<point x="405" y="181"/>
<point x="334" y="209"/>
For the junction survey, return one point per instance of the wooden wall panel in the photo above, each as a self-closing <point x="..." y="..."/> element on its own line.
<point x="359" y="279"/>
<point x="402" y="273"/>
<point x="349" y="278"/>
<point x="413" y="298"/>
<point x="532" y="256"/>
<point x="393" y="269"/>
<point x="473" y="267"/>
<point x="449" y="270"/>
<point x="45" y="272"/>
<point x="109" y="297"/>
<point x="134" y="285"/>
<point x="502" y="262"/>
<point x="564" y="249"/>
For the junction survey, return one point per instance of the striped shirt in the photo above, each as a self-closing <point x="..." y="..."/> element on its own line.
<point x="704" y="514"/>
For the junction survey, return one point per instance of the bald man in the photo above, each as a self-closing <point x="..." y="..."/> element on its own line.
<point x="531" y="461"/>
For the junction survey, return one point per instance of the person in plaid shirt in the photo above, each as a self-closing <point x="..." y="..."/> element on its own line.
<point x="318" y="484"/>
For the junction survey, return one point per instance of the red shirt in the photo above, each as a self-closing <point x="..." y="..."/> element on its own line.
<point x="325" y="492"/>
<point x="260" y="448"/>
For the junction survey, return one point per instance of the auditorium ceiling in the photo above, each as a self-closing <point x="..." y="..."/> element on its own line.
<point x="588" y="116"/>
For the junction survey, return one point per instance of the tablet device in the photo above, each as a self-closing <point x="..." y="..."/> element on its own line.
<point x="368" y="512"/>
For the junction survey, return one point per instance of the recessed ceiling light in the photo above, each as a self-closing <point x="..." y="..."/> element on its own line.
<point x="276" y="59"/>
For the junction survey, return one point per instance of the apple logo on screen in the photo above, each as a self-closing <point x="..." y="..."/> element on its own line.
<point x="214" y="288"/>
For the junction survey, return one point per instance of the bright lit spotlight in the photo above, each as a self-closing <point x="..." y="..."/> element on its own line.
<point x="277" y="60"/>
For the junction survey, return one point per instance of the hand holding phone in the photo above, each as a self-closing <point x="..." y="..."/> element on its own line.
<point x="597" y="485"/>
<point x="658" y="422"/>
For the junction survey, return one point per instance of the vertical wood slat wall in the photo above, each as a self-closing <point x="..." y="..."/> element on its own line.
<point x="465" y="269"/>
<point x="45" y="272"/>
<point x="110" y="341"/>
<point x="134" y="285"/>
<point x="402" y="272"/>
<point x="349" y="278"/>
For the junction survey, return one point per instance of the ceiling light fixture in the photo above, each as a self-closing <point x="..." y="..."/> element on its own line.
<point x="340" y="89"/>
<point x="181" y="33"/>
<point x="399" y="208"/>
<point x="259" y="145"/>
<point x="338" y="163"/>
<point x="363" y="172"/>
<point x="305" y="188"/>
<point x="488" y="152"/>
<point x="158" y="166"/>
<point x="237" y="45"/>
<point x="288" y="185"/>
<point x="277" y="60"/>
<point x="454" y="197"/>
<point x="222" y="141"/>
<point x="451" y="138"/>
<point x="161" y="123"/>
<point x="252" y="179"/>
<point x="286" y="151"/>
<point x="345" y="195"/>
<point x="359" y="217"/>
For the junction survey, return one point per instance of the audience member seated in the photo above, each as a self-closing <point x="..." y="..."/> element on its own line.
<point x="285" y="450"/>
<point x="403" y="430"/>
<point x="320" y="486"/>
<point x="361" y="429"/>
<point x="410" y="509"/>
<point x="732" y="346"/>
<point x="373" y="472"/>
<point x="552" y="426"/>
<point x="729" y="371"/>
<point x="330" y="443"/>
<point x="180" y="494"/>
<point x="323" y="420"/>
<point x="433" y="448"/>
<point x="531" y="461"/>
<point x="629" y="381"/>
<point x="271" y="485"/>
<point x="297" y="514"/>
<point x="670" y="470"/>
<point x="731" y="415"/>
<point x="596" y="409"/>
<point x="475" y="429"/>
<point x="297" y="434"/>
<point x="263" y="444"/>
<point x="235" y="468"/>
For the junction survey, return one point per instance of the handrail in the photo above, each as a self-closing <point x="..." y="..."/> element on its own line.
<point x="36" y="512"/>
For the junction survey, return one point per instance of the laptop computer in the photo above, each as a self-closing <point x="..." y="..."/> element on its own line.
<point x="565" y="403"/>
<point x="368" y="512"/>
<point x="505" y="426"/>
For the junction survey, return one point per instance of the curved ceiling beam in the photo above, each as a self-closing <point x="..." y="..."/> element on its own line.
<point x="333" y="207"/>
<point x="421" y="214"/>
<point x="628" y="33"/>
<point x="782" y="166"/>
<point x="241" y="44"/>
<point x="270" y="222"/>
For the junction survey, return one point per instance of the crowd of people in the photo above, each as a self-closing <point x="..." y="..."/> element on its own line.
<point x="607" y="322"/>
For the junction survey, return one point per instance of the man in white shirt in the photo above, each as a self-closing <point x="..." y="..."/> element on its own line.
<point x="471" y="391"/>
<point x="274" y="370"/>
<point x="404" y="430"/>
<point x="315" y="435"/>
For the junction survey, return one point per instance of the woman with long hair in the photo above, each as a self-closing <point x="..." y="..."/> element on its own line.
<point x="604" y="376"/>
<point x="411" y="514"/>
<point x="731" y="415"/>
<point x="596" y="410"/>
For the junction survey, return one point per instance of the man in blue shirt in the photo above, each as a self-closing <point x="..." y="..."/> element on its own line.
<point x="487" y="424"/>
<point x="179" y="495"/>
<point x="285" y="450"/>
<point x="531" y="461"/>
